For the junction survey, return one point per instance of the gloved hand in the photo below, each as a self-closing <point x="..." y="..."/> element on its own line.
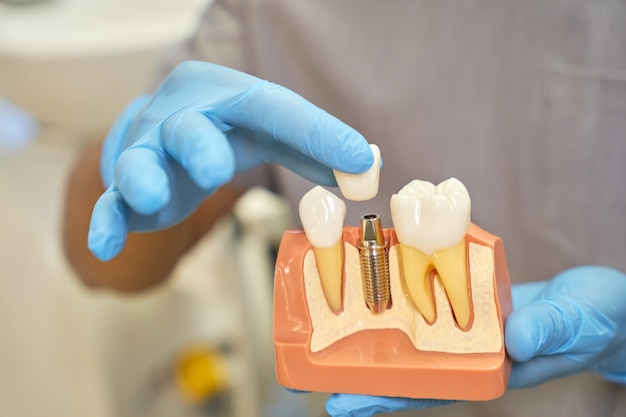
<point x="166" y="153"/>
<point x="574" y="323"/>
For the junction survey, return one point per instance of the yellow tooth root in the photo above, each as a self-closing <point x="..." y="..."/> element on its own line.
<point x="416" y="274"/>
<point x="329" y="263"/>
<point x="450" y="265"/>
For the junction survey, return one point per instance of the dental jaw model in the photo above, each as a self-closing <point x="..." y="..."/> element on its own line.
<point x="415" y="311"/>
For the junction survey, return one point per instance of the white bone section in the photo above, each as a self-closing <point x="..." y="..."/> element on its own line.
<point x="442" y="336"/>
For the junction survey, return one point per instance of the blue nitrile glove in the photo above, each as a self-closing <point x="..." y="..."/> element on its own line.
<point x="352" y="405"/>
<point x="167" y="152"/>
<point x="574" y="323"/>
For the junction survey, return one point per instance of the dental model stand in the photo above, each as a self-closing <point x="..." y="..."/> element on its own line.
<point x="375" y="311"/>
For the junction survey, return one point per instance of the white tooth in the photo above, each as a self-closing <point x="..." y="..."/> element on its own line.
<point x="322" y="215"/>
<point x="431" y="222"/>
<point x="361" y="187"/>
<point x="432" y="217"/>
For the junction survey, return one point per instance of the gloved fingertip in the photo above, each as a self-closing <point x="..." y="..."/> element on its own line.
<point x="105" y="239"/>
<point x="336" y="406"/>
<point x="541" y="328"/>
<point x="354" y="405"/>
<point x="359" y="156"/>
<point x="104" y="246"/>
<point x="215" y="174"/>
<point x="108" y="226"/>
<point x="518" y="337"/>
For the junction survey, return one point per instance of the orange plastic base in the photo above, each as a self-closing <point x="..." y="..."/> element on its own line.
<point x="384" y="361"/>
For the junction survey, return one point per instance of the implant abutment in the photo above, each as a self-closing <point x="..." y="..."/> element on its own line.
<point x="374" y="260"/>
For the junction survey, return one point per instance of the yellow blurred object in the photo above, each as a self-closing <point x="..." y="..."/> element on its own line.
<point x="201" y="373"/>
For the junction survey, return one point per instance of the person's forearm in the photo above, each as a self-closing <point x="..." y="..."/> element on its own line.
<point x="148" y="258"/>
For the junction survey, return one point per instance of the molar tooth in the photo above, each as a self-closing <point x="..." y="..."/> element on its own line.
<point x="322" y="215"/>
<point x="361" y="187"/>
<point x="431" y="222"/>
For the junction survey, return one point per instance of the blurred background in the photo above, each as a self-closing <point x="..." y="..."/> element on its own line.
<point x="200" y="345"/>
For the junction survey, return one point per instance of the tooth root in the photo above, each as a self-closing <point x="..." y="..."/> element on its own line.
<point x="330" y="268"/>
<point x="451" y="267"/>
<point x="451" y="264"/>
<point x="415" y="270"/>
<point x="433" y="220"/>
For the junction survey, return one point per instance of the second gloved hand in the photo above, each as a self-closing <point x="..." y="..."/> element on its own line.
<point x="167" y="152"/>
<point x="574" y="323"/>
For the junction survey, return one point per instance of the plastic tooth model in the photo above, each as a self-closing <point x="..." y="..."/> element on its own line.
<point x="416" y="311"/>
<point x="361" y="187"/>
<point x="322" y="215"/>
<point x="431" y="223"/>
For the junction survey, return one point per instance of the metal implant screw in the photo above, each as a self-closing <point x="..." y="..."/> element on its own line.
<point x="374" y="264"/>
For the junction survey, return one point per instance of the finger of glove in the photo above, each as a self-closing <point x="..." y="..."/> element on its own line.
<point x="109" y="225"/>
<point x="114" y="142"/>
<point x="280" y="113"/>
<point x="306" y="167"/>
<point x="200" y="147"/>
<point x="352" y="405"/>
<point x="141" y="177"/>
<point x="538" y="329"/>
<point x="542" y="369"/>
<point x="560" y="324"/>
<point x="252" y="149"/>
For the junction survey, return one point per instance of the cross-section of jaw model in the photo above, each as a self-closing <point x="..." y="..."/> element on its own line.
<point x="415" y="311"/>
